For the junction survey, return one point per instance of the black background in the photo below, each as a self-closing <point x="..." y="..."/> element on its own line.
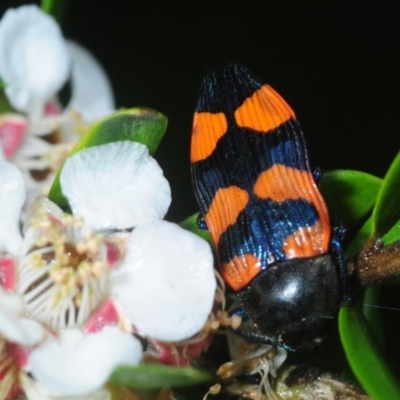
<point x="337" y="65"/>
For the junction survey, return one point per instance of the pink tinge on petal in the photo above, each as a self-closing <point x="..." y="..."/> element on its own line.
<point x="7" y="273"/>
<point x="12" y="131"/>
<point x="113" y="254"/>
<point x="3" y="373"/>
<point x="107" y="315"/>
<point x="15" y="393"/>
<point x="19" y="354"/>
<point x="181" y="355"/>
<point x="9" y="385"/>
<point x="55" y="219"/>
<point x="52" y="108"/>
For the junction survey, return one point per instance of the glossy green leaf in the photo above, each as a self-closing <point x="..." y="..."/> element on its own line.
<point x="372" y="297"/>
<point x="365" y="358"/>
<point x="350" y="195"/>
<point x="142" y="125"/>
<point x="387" y="209"/>
<point x="157" y="376"/>
<point x="393" y="234"/>
<point x="191" y="225"/>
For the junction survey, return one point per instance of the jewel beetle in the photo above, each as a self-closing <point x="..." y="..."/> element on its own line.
<point x="268" y="221"/>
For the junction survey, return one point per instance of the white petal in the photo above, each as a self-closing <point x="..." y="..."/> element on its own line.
<point x="12" y="197"/>
<point x="14" y="328"/>
<point x="92" y="95"/>
<point x="115" y="185"/>
<point x="35" y="391"/>
<point x="166" y="283"/>
<point x="83" y="362"/>
<point x="34" y="62"/>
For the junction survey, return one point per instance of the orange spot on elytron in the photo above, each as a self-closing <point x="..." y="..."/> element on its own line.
<point x="264" y="110"/>
<point x="307" y="241"/>
<point x="208" y="128"/>
<point x="239" y="272"/>
<point x="280" y="183"/>
<point x="224" y="210"/>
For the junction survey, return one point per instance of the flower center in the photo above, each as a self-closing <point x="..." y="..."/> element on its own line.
<point x="63" y="273"/>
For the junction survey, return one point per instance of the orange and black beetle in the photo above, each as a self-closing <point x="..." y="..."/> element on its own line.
<point x="266" y="216"/>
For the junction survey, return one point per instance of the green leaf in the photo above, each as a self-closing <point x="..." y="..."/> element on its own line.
<point x="5" y="106"/>
<point x="393" y="235"/>
<point x="372" y="314"/>
<point x="365" y="358"/>
<point x="157" y="376"/>
<point x="350" y="195"/>
<point x="191" y="225"/>
<point x="47" y="5"/>
<point x="55" y="8"/>
<point x="142" y="125"/>
<point x="2" y="84"/>
<point x="387" y="209"/>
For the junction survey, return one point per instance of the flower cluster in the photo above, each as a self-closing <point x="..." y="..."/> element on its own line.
<point x="35" y="63"/>
<point x="78" y="289"/>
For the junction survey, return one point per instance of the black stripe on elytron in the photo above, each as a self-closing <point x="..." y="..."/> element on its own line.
<point x="262" y="228"/>
<point x="242" y="154"/>
<point x="224" y="91"/>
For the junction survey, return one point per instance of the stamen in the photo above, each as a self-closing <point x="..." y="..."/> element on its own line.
<point x="58" y="154"/>
<point x="63" y="274"/>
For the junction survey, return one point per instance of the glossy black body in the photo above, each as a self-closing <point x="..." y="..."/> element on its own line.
<point x="293" y="304"/>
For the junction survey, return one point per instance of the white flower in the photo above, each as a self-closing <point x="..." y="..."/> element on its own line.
<point x="35" y="391"/>
<point x="122" y="173"/>
<point x="36" y="308"/>
<point x="35" y="62"/>
<point x="76" y="363"/>
<point x="92" y="95"/>
<point x="12" y="197"/>
<point x="118" y="185"/>
<point x="69" y="280"/>
<point x="14" y="326"/>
